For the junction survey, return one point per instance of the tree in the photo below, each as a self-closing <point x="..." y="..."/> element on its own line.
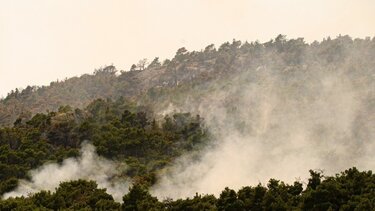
<point x="155" y="63"/>
<point x="180" y="54"/>
<point x="209" y="48"/>
<point x="252" y="197"/>
<point x="228" y="201"/>
<point x="315" y="179"/>
<point x="107" y="70"/>
<point x="166" y="62"/>
<point x="79" y="194"/>
<point x="139" y="199"/>
<point x="142" y="64"/>
<point x="133" y="67"/>
<point x="181" y="51"/>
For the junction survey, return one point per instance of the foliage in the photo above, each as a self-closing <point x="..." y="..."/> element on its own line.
<point x="118" y="130"/>
<point x="352" y="56"/>
<point x="74" y="195"/>
<point x="350" y="190"/>
<point x="37" y="129"/>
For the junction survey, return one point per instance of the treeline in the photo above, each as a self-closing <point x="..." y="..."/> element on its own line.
<point x="350" y="190"/>
<point x="118" y="129"/>
<point x="353" y="56"/>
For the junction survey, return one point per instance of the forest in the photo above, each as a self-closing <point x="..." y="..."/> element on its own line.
<point x="156" y="83"/>
<point x="117" y="129"/>
<point x="313" y="102"/>
<point x="349" y="190"/>
<point x="126" y="132"/>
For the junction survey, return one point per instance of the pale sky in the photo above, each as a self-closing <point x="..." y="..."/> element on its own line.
<point x="45" y="40"/>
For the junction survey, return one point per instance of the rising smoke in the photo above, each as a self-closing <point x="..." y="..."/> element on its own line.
<point x="87" y="166"/>
<point x="277" y="123"/>
<point x="272" y="121"/>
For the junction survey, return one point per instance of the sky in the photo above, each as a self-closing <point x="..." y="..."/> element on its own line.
<point x="45" y="40"/>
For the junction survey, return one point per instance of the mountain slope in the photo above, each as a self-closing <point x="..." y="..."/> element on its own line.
<point x="197" y="68"/>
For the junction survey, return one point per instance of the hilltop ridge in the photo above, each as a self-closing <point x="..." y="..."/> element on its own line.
<point x="196" y="68"/>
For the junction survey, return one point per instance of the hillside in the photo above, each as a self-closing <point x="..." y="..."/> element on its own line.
<point x="133" y="153"/>
<point x="198" y="68"/>
<point x="159" y="135"/>
<point x="117" y="131"/>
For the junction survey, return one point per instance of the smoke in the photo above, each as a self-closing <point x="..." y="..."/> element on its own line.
<point x="268" y="121"/>
<point x="87" y="166"/>
<point x="273" y="123"/>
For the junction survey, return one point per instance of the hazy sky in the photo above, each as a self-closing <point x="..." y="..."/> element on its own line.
<point x="45" y="40"/>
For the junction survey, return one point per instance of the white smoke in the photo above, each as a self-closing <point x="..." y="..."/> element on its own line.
<point x="275" y="127"/>
<point x="87" y="166"/>
<point x="267" y="123"/>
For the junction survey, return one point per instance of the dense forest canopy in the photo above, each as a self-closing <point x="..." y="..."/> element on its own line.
<point x="350" y="190"/>
<point x="118" y="130"/>
<point x="125" y="132"/>
<point x="165" y="135"/>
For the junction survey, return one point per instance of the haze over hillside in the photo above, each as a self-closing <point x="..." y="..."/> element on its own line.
<point x="187" y="105"/>
<point x="283" y="93"/>
<point x="189" y="69"/>
<point x="227" y="116"/>
<point x="261" y="110"/>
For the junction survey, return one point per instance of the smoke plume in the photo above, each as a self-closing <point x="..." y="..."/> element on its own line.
<point x="87" y="166"/>
<point x="268" y="119"/>
<point x="277" y="123"/>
